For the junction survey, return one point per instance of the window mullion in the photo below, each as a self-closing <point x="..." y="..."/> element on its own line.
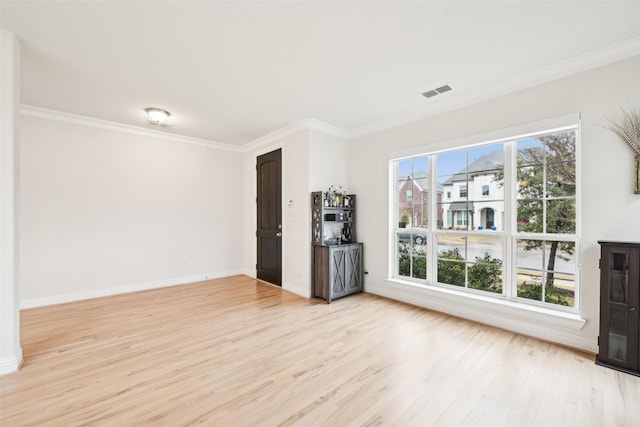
<point x="392" y="265"/>
<point x="433" y="218"/>
<point x="510" y="278"/>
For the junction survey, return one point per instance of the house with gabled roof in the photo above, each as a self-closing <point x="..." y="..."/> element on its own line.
<point x="414" y="197"/>
<point x="473" y="196"/>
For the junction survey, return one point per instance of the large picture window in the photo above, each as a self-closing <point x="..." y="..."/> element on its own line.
<point x="506" y="226"/>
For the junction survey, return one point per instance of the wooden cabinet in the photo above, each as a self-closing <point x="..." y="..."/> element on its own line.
<point x="336" y="257"/>
<point x="619" y="340"/>
<point x="337" y="270"/>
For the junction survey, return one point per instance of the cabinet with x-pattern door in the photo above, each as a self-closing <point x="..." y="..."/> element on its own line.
<point x="337" y="270"/>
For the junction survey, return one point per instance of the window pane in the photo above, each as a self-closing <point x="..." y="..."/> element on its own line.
<point x="530" y="182"/>
<point x="559" y="288"/>
<point x="487" y="160"/>
<point x="547" y="184"/>
<point x="420" y="168"/>
<point x="452" y="247"/>
<point x="413" y="192"/>
<point x="448" y="223"/>
<point x="485" y="258"/>
<point x="561" y="179"/>
<point x="405" y="215"/>
<point x="404" y="169"/>
<point x="451" y="259"/>
<point x="451" y="170"/>
<point x="412" y="254"/>
<point x="559" y="146"/>
<point x="529" y="216"/>
<point x="546" y="271"/>
<point x="404" y="257"/>
<point x="530" y="152"/>
<point x="529" y="268"/>
<point x="565" y="261"/>
<point x="561" y="216"/>
<point x="561" y="268"/>
<point x="415" y="239"/>
<point x="489" y="215"/>
<point x="451" y="272"/>
<point x="419" y="267"/>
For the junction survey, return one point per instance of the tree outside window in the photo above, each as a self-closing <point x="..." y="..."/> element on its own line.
<point x="469" y="237"/>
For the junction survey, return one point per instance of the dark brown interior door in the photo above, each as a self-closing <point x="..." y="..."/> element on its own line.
<point x="269" y="206"/>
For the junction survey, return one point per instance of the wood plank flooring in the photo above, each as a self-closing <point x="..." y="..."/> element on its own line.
<point x="238" y="352"/>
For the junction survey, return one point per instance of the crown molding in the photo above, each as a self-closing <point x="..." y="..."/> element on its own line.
<point x="571" y="66"/>
<point x="91" y="122"/>
<point x="299" y="126"/>
<point x="568" y="67"/>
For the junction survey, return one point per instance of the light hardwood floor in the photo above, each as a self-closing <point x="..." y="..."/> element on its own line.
<point x="238" y="352"/>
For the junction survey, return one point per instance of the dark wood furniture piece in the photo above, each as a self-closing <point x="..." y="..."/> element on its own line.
<point x="619" y="340"/>
<point x="336" y="257"/>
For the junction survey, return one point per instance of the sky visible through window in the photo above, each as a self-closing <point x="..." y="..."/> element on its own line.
<point x="455" y="159"/>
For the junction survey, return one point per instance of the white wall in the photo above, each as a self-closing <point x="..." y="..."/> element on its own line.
<point x="610" y="210"/>
<point x="328" y="162"/>
<point x="311" y="161"/>
<point x="295" y="227"/>
<point x="10" y="350"/>
<point x="105" y="212"/>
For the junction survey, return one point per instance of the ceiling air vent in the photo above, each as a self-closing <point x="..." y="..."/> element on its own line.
<point x="430" y="93"/>
<point x="437" y="91"/>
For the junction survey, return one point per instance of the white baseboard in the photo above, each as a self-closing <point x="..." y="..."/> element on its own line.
<point x="11" y="364"/>
<point x="302" y="291"/>
<point x="116" y="290"/>
<point x="249" y="272"/>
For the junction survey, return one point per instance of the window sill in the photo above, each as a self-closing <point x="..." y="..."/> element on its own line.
<point x="464" y="304"/>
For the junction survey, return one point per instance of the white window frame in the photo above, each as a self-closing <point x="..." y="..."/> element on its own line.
<point x="509" y="235"/>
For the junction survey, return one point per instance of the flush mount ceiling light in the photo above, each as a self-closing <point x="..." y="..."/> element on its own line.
<point x="158" y="116"/>
<point x="437" y="91"/>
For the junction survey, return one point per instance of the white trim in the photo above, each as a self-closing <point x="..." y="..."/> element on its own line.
<point x="538" y="322"/>
<point x="11" y="364"/>
<point x="327" y="128"/>
<point x="249" y="272"/>
<point x="570" y="66"/>
<point x="91" y="122"/>
<point x="273" y="137"/>
<point x="302" y="291"/>
<point x="11" y="352"/>
<point x="552" y="124"/>
<point x="301" y="125"/>
<point x="123" y="289"/>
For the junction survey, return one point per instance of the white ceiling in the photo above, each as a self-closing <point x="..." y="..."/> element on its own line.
<point x="232" y="72"/>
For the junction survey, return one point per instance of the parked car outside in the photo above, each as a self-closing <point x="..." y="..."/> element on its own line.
<point x="417" y="235"/>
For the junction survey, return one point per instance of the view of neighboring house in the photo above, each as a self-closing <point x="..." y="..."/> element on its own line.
<point x="414" y="200"/>
<point x="473" y="198"/>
